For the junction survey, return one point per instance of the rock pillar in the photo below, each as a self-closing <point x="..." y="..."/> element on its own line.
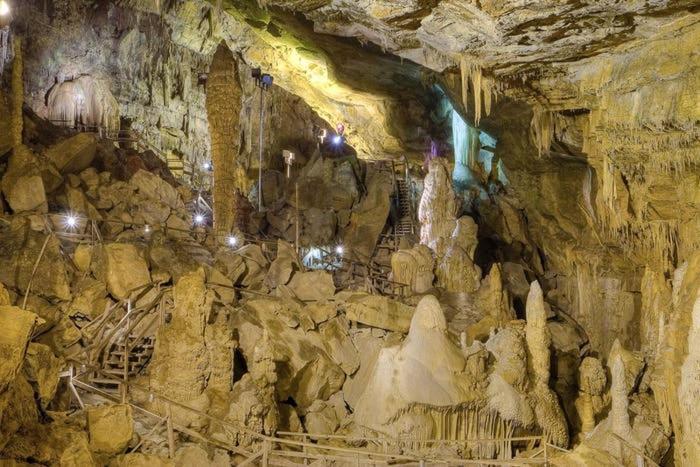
<point x="223" y="111"/>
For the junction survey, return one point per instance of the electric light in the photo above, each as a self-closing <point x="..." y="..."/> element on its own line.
<point x="70" y="221"/>
<point x="4" y="8"/>
<point x="206" y="165"/>
<point x="339" y="249"/>
<point x="147" y="229"/>
<point x="232" y="240"/>
<point x="199" y="219"/>
<point x="337" y="140"/>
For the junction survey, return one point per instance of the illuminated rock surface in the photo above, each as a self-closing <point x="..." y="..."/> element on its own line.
<point x="502" y="242"/>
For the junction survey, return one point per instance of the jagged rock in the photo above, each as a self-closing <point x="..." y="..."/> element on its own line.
<point x="78" y="454"/>
<point x="90" y="298"/>
<point x="157" y="189"/>
<point x="414" y="267"/>
<point x="378" y="311"/>
<point x="111" y="428"/>
<point x="339" y="346"/>
<point x="74" y="154"/>
<point x="312" y="286"/>
<point x="305" y="372"/>
<point x="283" y="266"/>
<point x="321" y="418"/>
<point x="367" y="219"/>
<point x="255" y="265"/>
<point x="137" y="459"/>
<point x="368" y="349"/>
<point x="193" y="455"/>
<point x="320" y="312"/>
<point x="22" y="183"/>
<point x="4" y="296"/>
<point x="231" y="264"/>
<point x="17" y="325"/>
<point x="42" y="367"/>
<point x="122" y="267"/>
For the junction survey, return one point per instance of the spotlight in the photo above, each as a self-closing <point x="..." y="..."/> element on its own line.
<point x="232" y="241"/>
<point x="199" y="219"/>
<point x="70" y="221"/>
<point x="339" y="250"/>
<point x="337" y="140"/>
<point x="4" y="8"/>
<point x="147" y="229"/>
<point x="207" y="165"/>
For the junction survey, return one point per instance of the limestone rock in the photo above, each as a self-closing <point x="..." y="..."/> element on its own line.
<point x="157" y="189"/>
<point x="74" y="154"/>
<point x="17" y="325"/>
<point x="321" y="418"/>
<point x="312" y="286"/>
<point x="413" y="267"/>
<point x="137" y="459"/>
<point x="378" y="311"/>
<point x="43" y="368"/>
<point x="122" y="267"/>
<point x="111" y="428"/>
<point x="368" y="218"/>
<point x="339" y="346"/>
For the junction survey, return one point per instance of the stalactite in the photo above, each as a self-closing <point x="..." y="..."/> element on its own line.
<point x="4" y="48"/>
<point x="541" y="129"/>
<point x="465" y="72"/>
<point x="476" y="86"/>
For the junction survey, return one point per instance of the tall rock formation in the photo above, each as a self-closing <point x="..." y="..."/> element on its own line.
<point x="223" y="101"/>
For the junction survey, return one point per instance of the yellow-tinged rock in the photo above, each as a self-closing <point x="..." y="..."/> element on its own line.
<point x="16" y="327"/>
<point x="111" y="427"/>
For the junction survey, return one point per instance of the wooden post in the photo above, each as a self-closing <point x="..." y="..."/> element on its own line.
<point x="296" y="203"/>
<point x="126" y="353"/>
<point x="304" y="449"/>
<point x="171" y="432"/>
<point x="546" y="458"/>
<point x="265" y="457"/>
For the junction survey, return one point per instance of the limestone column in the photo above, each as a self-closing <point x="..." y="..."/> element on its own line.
<point x="223" y="111"/>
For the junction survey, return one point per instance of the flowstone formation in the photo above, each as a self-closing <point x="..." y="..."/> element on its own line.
<point x="478" y="221"/>
<point x="462" y="396"/>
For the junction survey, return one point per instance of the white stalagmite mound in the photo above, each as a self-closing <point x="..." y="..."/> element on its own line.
<point x="427" y="368"/>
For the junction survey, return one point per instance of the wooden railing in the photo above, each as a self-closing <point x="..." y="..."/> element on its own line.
<point x="299" y="447"/>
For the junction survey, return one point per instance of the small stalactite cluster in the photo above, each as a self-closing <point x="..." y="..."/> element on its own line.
<point x="485" y="88"/>
<point x="541" y="129"/>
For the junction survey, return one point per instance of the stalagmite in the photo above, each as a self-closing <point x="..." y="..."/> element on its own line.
<point x="224" y="89"/>
<point x="436" y="210"/>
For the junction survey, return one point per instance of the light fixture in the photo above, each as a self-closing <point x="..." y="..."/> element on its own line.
<point x="71" y="221"/>
<point x="199" y="219"/>
<point x="339" y="250"/>
<point x="147" y="228"/>
<point x="337" y="140"/>
<point x="206" y="165"/>
<point x="4" y="8"/>
<point x="232" y="241"/>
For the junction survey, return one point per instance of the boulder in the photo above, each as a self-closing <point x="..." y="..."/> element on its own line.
<point x="111" y="428"/>
<point x="378" y="311"/>
<point x="17" y="326"/>
<point x="42" y="367"/>
<point x="338" y="344"/>
<point x="122" y="267"/>
<point x="368" y="218"/>
<point x="283" y="266"/>
<point x="321" y="419"/>
<point x="25" y="193"/>
<point x="157" y="189"/>
<point x="73" y="154"/>
<point x="312" y="285"/>
<point x="137" y="459"/>
<point x="90" y="298"/>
